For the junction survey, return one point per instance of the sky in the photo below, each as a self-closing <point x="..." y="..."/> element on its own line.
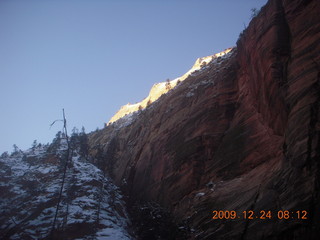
<point x="90" y="57"/>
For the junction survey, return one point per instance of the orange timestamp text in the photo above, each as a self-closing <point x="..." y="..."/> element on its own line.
<point x="281" y="214"/>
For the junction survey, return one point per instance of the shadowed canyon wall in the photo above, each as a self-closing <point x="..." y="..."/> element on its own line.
<point x="241" y="134"/>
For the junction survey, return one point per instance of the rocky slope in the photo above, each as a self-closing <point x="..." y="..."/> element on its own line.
<point x="240" y="134"/>
<point x="159" y="89"/>
<point x="30" y="182"/>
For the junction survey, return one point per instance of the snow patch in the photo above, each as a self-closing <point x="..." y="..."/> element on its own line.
<point x="200" y="194"/>
<point x="31" y="190"/>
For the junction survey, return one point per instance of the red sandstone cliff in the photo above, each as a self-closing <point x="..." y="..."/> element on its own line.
<point x="242" y="134"/>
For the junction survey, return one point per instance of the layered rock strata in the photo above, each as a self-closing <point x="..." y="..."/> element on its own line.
<point x="240" y="134"/>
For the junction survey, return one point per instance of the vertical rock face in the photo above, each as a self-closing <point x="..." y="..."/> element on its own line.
<point x="241" y="134"/>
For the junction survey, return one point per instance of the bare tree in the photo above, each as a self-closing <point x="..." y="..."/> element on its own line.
<point x="64" y="172"/>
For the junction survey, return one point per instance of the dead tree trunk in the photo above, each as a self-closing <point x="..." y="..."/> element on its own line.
<point x="64" y="174"/>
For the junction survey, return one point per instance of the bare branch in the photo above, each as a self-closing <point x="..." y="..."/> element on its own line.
<point x="58" y="120"/>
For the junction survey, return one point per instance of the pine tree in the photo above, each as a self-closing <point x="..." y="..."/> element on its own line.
<point x="53" y="147"/>
<point x="4" y="155"/>
<point x="34" y="145"/>
<point x="16" y="150"/>
<point x="74" y="139"/>
<point x="83" y="143"/>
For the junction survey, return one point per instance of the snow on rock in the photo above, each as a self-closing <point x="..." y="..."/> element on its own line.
<point x="161" y="88"/>
<point x="125" y="120"/>
<point x="200" y="194"/>
<point x="91" y="206"/>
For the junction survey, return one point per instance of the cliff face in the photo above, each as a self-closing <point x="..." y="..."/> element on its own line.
<point x="242" y="133"/>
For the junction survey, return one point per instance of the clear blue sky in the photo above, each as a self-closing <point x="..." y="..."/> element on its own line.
<point x="93" y="56"/>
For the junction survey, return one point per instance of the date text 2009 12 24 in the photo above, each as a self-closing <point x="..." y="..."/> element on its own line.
<point x="281" y="214"/>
